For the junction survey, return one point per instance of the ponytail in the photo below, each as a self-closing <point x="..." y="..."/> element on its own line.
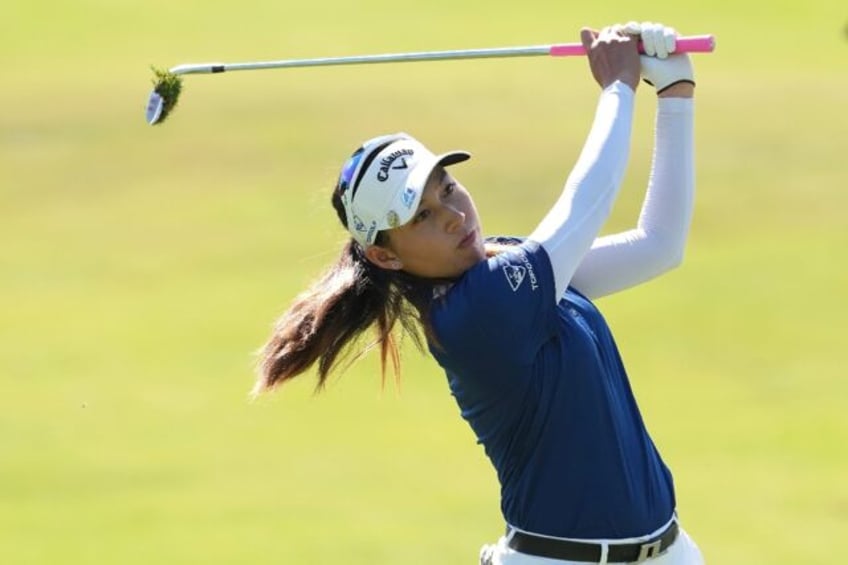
<point x="352" y="296"/>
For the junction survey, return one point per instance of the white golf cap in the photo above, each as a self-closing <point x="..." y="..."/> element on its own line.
<point x="382" y="183"/>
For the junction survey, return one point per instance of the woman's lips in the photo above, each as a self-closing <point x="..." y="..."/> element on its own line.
<point x="468" y="239"/>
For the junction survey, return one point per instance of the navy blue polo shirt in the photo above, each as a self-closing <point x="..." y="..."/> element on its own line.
<point x="543" y="387"/>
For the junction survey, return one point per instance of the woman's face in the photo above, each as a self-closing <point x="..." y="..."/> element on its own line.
<point x="443" y="239"/>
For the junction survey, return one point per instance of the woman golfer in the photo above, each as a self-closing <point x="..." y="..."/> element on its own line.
<point x="528" y="357"/>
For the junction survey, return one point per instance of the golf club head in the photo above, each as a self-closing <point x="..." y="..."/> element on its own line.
<point x="155" y="105"/>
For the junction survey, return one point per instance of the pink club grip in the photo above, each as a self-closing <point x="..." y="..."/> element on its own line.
<point x="690" y="44"/>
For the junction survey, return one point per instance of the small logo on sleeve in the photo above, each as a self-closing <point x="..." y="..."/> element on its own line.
<point x="531" y="274"/>
<point x="514" y="276"/>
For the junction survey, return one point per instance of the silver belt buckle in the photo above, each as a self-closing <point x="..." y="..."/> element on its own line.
<point x="649" y="550"/>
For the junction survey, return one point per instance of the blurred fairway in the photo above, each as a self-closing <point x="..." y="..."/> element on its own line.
<point x="141" y="267"/>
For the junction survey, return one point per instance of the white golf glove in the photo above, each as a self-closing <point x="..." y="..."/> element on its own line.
<point x="659" y="66"/>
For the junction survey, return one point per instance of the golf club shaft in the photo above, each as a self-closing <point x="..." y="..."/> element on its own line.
<point x="690" y="44"/>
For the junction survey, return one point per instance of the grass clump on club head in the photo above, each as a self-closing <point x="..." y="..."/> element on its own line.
<point x="168" y="86"/>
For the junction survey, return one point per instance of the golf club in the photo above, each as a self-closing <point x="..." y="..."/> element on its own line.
<point x="168" y="84"/>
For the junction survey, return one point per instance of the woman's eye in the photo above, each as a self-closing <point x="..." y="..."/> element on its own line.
<point x="420" y="216"/>
<point x="449" y="188"/>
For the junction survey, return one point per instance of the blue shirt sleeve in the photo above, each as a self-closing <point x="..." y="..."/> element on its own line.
<point x="503" y="308"/>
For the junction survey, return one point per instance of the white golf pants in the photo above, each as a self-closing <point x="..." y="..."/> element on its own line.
<point x="682" y="552"/>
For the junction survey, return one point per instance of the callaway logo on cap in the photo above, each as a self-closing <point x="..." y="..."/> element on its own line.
<point x="382" y="182"/>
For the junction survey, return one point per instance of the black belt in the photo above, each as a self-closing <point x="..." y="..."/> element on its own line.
<point x="591" y="552"/>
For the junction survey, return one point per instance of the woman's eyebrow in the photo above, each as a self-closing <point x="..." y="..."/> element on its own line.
<point x="436" y="181"/>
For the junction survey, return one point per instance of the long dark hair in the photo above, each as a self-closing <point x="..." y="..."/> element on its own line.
<point x="349" y="298"/>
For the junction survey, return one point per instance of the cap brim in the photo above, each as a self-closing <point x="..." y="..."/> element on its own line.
<point x="443" y="160"/>
<point x="452" y="158"/>
<point x="418" y="179"/>
<point x="404" y="210"/>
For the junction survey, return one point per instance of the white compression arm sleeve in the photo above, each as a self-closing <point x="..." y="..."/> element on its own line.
<point x="568" y="230"/>
<point x="656" y="245"/>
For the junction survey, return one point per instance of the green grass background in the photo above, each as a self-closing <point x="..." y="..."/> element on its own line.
<point x="141" y="267"/>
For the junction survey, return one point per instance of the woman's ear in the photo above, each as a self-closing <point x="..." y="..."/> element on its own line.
<point x="383" y="258"/>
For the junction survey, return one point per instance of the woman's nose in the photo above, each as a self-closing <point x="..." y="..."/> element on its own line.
<point x="456" y="219"/>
